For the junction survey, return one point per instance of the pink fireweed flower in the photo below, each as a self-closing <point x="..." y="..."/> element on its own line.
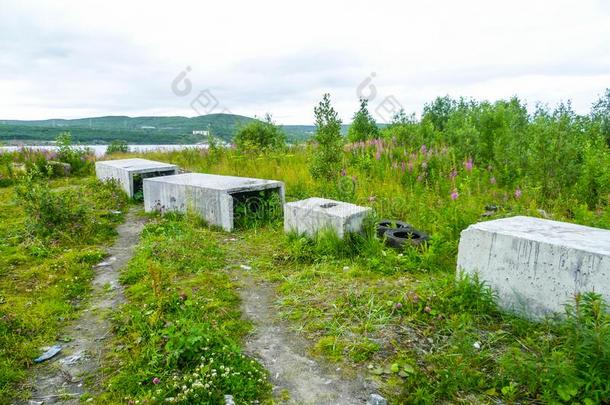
<point x="410" y="166"/>
<point x="468" y="164"/>
<point x="343" y="172"/>
<point x="517" y="192"/>
<point x="454" y="195"/>
<point x="156" y="380"/>
<point x="403" y="166"/>
<point x="398" y="305"/>
<point x="378" y="154"/>
<point x="492" y="180"/>
<point x="453" y="174"/>
<point x="423" y="149"/>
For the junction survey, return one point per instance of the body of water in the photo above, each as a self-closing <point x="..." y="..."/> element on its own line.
<point x="101" y="149"/>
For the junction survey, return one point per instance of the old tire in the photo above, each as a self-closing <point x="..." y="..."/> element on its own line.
<point x="400" y="237"/>
<point x="385" y="225"/>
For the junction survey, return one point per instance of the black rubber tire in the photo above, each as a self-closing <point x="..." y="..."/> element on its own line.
<point x="385" y="225"/>
<point x="399" y="238"/>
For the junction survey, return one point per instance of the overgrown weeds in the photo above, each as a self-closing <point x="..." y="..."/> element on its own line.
<point x="180" y="331"/>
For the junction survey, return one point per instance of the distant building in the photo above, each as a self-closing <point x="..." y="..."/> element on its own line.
<point x="201" y="132"/>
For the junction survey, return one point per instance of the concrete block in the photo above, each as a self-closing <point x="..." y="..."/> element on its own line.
<point x="536" y="265"/>
<point x="130" y="172"/>
<point x="314" y="214"/>
<point x="211" y="196"/>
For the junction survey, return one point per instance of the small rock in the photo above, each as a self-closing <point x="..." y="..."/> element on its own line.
<point x="245" y="267"/>
<point x="376" y="399"/>
<point x="476" y="345"/>
<point x="32" y="402"/>
<point x="229" y="400"/>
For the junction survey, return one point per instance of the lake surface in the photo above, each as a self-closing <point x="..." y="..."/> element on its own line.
<point x="101" y="149"/>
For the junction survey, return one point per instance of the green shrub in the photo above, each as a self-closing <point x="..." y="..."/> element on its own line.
<point x="79" y="159"/>
<point x="50" y="214"/>
<point x="327" y="154"/>
<point x="260" y="136"/>
<point x="117" y="146"/>
<point x="363" y="125"/>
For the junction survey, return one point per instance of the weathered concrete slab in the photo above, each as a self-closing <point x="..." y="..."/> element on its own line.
<point x="536" y="265"/>
<point x="314" y="214"/>
<point x="211" y="196"/>
<point x="124" y="171"/>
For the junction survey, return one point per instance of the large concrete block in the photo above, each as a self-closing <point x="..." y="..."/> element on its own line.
<point x="314" y="214"/>
<point x="130" y="172"/>
<point x="211" y="196"/>
<point x="535" y="265"/>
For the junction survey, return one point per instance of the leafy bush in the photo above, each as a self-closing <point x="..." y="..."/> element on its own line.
<point x="363" y="125"/>
<point x="260" y="136"/>
<point x="327" y="154"/>
<point x="79" y="159"/>
<point x="117" y="146"/>
<point x="51" y="215"/>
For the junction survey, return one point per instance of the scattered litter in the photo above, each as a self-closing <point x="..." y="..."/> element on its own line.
<point x="70" y="360"/>
<point x="51" y="352"/>
<point x="376" y="399"/>
<point x="477" y="345"/>
<point x="108" y="262"/>
<point x="245" y="267"/>
<point x="115" y="212"/>
<point x="229" y="400"/>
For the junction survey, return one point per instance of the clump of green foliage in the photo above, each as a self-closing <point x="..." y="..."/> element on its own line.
<point x="54" y="216"/>
<point x="117" y="146"/>
<point x="326" y="160"/>
<point x="45" y="270"/>
<point x="260" y="136"/>
<point x="181" y="328"/>
<point x="79" y="159"/>
<point x="254" y="210"/>
<point x="363" y="126"/>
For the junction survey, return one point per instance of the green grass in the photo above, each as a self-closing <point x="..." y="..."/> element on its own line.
<point x="402" y="317"/>
<point x="178" y="337"/>
<point x="44" y="282"/>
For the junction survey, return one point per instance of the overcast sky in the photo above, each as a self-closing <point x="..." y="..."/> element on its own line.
<point x="72" y="59"/>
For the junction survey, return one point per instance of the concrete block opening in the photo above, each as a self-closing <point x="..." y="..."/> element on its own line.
<point x="224" y="201"/>
<point x="252" y="208"/>
<point x="130" y="173"/>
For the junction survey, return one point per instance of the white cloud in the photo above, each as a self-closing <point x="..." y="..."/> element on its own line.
<point x="75" y="58"/>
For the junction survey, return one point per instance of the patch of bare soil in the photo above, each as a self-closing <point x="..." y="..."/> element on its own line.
<point x="296" y="377"/>
<point x="61" y="380"/>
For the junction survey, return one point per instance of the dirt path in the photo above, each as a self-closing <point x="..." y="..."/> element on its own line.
<point x="61" y="379"/>
<point x="296" y="378"/>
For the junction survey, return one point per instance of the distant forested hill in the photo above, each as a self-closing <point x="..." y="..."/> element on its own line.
<point x="143" y="130"/>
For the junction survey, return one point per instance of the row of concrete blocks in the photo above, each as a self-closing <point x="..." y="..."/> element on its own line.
<point x="213" y="197"/>
<point x="535" y="266"/>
